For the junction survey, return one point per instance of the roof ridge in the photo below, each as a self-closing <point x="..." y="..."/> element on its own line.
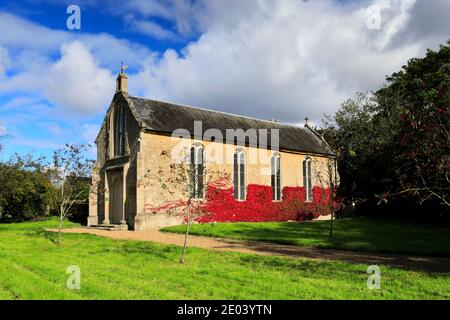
<point x="216" y="111"/>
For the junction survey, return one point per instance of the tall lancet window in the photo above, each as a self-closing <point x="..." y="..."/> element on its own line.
<point x="275" y="176"/>
<point x="307" y="181"/>
<point x="119" y="132"/>
<point x="239" y="175"/>
<point x="196" y="172"/>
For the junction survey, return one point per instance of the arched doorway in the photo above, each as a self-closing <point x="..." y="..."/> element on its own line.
<point x="116" y="201"/>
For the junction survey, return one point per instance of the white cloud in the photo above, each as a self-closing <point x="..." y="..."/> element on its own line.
<point x="34" y="143"/>
<point x="35" y="50"/>
<point x="428" y="23"/>
<point x="184" y="14"/>
<point x="3" y="130"/>
<point x="110" y="51"/>
<point x="76" y="82"/>
<point x="54" y="128"/>
<point x="151" y="8"/>
<point x="90" y="132"/>
<point x="79" y="80"/>
<point x="22" y="34"/>
<point x="19" y="101"/>
<point x="4" y="61"/>
<point x="282" y="59"/>
<point x="148" y="28"/>
<point x="395" y="15"/>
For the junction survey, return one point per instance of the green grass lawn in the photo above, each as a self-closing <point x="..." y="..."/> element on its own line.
<point x="33" y="267"/>
<point x="361" y="234"/>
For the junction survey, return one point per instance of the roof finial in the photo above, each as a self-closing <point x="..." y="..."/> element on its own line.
<point x="121" y="82"/>
<point x="123" y="67"/>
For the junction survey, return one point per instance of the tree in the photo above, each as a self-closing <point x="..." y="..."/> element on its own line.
<point x="70" y="172"/>
<point x="393" y="145"/>
<point x="361" y="134"/>
<point x="325" y="171"/>
<point x="26" y="188"/>
<point x="421" y="90"/>
<point x="179" y="198"/>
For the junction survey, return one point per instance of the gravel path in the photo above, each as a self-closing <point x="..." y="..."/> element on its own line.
<point x="419" y="263"/>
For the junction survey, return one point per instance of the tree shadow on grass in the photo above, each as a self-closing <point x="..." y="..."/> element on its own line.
<point x="166" y="252"/>
<point x="142" y="248"/>
<point x="313" y="268"/>
<point x="41" y="233"/>
<point x="361" y="241"/>
<point x="407" y="262"/>
<point x="362" y="235"/>
<point x="52" y="236"/>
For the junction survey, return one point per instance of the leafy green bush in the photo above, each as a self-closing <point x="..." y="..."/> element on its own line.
<point x="26" y="190"/>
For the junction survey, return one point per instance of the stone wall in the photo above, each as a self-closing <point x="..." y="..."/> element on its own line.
<point x="99" y="194"/>
<point x="143" y="159"/>
<point x="150" y="161"/>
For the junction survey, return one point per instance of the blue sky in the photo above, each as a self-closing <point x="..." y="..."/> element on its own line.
<point x="95" y="19"/>
<point x="33" y="128"/>
<point x="283" y="59"/>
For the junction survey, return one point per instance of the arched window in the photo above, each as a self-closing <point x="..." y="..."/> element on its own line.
<point x="275" y="176"/>
<point x="119" y="132"/>
<point x="196" y="172"/>
<point x="307" y="181"/>
<point x="239" y="175"/>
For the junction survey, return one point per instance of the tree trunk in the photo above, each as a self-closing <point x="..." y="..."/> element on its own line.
<point x="333" y="194"/>
<point x="59" y="230"/>
<point x="61" y="214"/>
<point x="331" y="224"/>
<point x="186" y="234"/>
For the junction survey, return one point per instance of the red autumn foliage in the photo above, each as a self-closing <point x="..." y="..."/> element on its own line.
<point x="190" y="209"/>
<point x="259" y="207"/>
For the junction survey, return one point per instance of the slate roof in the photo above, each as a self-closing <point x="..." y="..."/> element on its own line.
<point x="164" y="117"/>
